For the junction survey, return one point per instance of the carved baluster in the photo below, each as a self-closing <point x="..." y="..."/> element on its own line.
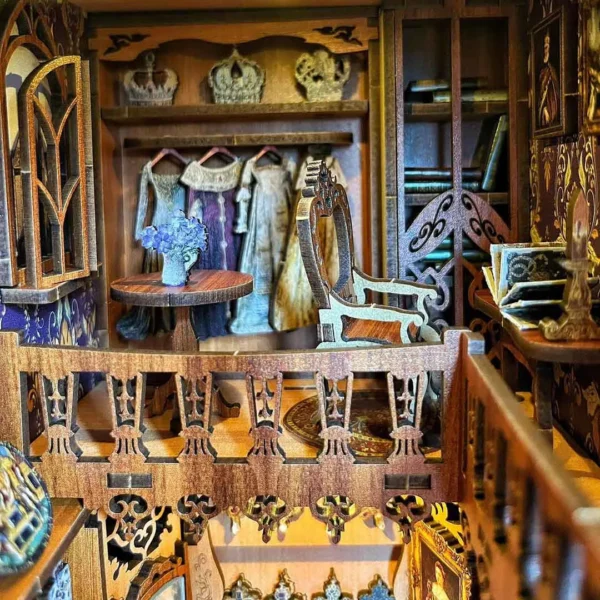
<point x="195" y="397"/>
<point x="406" y="403"/>
<point x="127" y="397"/>
<point x="334" y="411"/>
<point x="264" y="396"/>
<point x="59" y="405"/>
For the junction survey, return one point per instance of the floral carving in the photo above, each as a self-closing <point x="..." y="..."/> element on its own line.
<point x="269" y="512"/>
<point x="405" y="511"/>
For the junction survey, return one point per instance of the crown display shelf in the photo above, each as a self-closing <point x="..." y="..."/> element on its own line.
<point x="334" y="138"/>
<point x="442" y="111"/>
<point x="68" y="518"/>
<point x="147" y="115"/>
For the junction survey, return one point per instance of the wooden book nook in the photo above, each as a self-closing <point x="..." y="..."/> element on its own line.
<point x="248" y="350"/>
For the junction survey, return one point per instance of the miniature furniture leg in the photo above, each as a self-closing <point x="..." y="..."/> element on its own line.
<point x="543" y="381"/>
<point x="184" y="338"/>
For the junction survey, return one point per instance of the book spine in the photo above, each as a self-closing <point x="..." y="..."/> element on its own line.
<point x="427" y="174"/>
<point x="427" y="187"/>
<point x="488" y="183"/>
<point x="436" y="85"/>
<point x="473" y="96"/>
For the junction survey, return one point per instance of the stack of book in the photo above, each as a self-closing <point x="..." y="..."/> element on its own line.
<point x="481" y="178"/>
<point x="527" y="282"/>
<point x="473" y="89"/>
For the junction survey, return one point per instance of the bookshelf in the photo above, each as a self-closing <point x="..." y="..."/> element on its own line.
<point x="480" y="54"/>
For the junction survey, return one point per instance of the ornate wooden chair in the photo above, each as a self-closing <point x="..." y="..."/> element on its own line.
<point x="344" y="316"/>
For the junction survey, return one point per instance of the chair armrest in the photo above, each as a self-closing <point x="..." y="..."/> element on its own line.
<point x="398" y="287"/>
<point x="373" y="312"/>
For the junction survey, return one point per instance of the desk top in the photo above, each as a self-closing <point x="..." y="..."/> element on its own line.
<point x="203" y="287"/>
<point x="533" y="344"/>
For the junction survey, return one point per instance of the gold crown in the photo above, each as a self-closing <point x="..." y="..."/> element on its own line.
<point x="147" y="87"/>
<point x="236" y="80"/>
<point x="322" y="75"/>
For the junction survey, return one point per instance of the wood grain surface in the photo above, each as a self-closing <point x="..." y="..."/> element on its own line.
<point x="534" y="345"/>
<point x="68" y="518"/>
<point x="203" y="287"/>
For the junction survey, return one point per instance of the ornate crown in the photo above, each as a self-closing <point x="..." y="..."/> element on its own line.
<point x="322" y="75"/>
<point x="147" y="87"/>
<point x="236" y="80"/>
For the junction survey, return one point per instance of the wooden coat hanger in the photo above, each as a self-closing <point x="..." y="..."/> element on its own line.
<point x="271" y="151"/>
<point x="217" y="150"/>
<point x="168" y="152"/>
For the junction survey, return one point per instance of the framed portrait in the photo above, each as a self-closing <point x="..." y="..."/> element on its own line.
<point x="553" y="77"/>
<point x="160" y="579"/>
<point x="590" y="36"/>
<point x="438" y="566"/>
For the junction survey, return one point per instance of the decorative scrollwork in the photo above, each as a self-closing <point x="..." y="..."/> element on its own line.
<point x="134" y="529"/>
<point x="195" y="511"/>
<point x="435" y="228"/>
<point x="335" y="512"/>
<point x="269" y="512"/>
<point x="332" y="589"/>
<point x="285" y="589"/>
<point x="482" y="226"/>
<point x="405" y="511"/>
<point x="242" y="590"/>
<point x="378" y="590"/>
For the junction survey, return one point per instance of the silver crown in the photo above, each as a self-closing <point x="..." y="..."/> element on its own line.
<point x="322" y="75"/>
<point x="147" y="87"/>
<point x="236" y="80"/>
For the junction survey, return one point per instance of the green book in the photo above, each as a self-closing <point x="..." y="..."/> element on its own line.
<point x="428" y="174"/>
<point x="436" y="85"/>
<point x="429" y="187"/>
<point x="496" y="148"/>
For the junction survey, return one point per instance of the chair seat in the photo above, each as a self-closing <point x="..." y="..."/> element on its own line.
<point x="373" y="331"/>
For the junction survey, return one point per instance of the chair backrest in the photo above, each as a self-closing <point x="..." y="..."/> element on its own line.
<point x="323" y="197"/>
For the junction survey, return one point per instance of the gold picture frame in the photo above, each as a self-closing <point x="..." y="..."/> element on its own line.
<point x="439" y="568"/>
<point x="553" y="71"/>
<point x="590" y="81"/>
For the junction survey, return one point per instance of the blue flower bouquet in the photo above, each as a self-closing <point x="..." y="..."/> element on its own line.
<point x="179" y="241"/>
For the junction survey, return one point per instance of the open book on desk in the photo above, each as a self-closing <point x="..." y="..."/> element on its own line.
<point x="527" y="282"/>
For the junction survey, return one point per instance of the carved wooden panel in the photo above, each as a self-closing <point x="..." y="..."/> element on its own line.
<point x="61" y="196"/>
<point x="265" y="485"/>
<point x="31" y="33"/>
<point x="526" y="526"/>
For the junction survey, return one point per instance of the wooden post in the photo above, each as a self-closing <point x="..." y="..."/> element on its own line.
<point x="14" y="422"/>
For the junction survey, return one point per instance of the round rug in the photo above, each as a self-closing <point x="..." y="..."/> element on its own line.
<point x="370" y="423"/>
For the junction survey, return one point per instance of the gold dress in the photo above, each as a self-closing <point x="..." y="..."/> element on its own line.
<point x="294" y="305"/>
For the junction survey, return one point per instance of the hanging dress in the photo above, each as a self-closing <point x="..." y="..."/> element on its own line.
<point x="169" y="197"/>
<point x="212" y="202"/>
<point x="265" y="228"/>
<point x="294" y="305"/>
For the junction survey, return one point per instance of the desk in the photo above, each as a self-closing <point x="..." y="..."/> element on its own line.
<point x="540" y="354"/>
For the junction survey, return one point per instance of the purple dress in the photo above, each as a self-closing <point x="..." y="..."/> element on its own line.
<point x="212" y="202"/>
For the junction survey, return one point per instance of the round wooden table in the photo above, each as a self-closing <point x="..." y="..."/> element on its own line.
<point x="203" y="287"/>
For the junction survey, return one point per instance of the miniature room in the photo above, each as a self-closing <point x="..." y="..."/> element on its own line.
<point x="299" y="299"/>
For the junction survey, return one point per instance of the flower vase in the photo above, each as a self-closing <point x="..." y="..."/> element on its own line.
<point x="174" y="270"/>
